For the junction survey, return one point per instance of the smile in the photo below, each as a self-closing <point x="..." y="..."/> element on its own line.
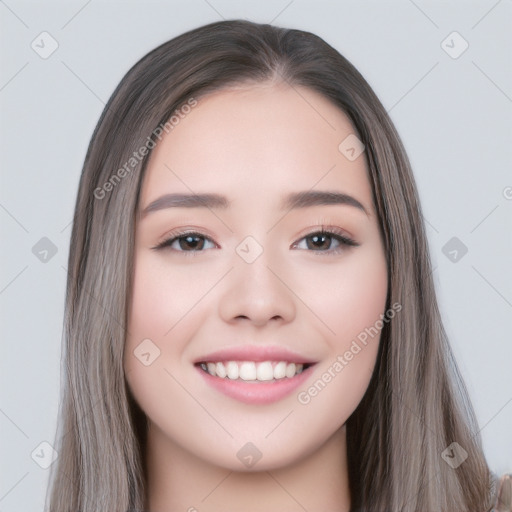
<point x="254" y="382"/>
<point x="251" y="371"/>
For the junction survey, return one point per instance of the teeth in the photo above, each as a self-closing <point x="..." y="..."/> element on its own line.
<point x="264" y="371"/>
<point x="247" y="371"/>
<point x="220" y="370"/>
<point x="252" y="371"/>
<point x="280" y="370"/>
<point x="232" y="370"/>
<point x="290" y="370"/>
<point x="211" y="368"/>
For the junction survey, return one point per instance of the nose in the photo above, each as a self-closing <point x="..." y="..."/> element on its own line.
<point x="257" y="293"/>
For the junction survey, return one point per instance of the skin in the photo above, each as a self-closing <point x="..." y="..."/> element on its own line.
<point x="254" y="144"/>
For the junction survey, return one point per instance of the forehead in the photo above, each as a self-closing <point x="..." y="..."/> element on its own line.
<point x="255" y="139"/>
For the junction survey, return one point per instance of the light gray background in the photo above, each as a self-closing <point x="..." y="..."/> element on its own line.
<point x="454" y="115"/>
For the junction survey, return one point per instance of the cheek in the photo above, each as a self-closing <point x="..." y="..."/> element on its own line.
<point x="158" y="300"/>
<point x="351" y="308"/>
<point x="360" y="299"/>
<point x="162" y="297"/>
<point x="166" y="312"/>
<point x="349" y="297"/>
<point x="158" y="333"/>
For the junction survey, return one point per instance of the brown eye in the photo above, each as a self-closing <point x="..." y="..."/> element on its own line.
<point x="192" y="242"/>
<point x="319" y="241"/>
<point x="322" y="241"/>
<point x="185" y="242"/>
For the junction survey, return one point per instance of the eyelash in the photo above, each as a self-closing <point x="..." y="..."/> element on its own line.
<point x="343" y="240"/>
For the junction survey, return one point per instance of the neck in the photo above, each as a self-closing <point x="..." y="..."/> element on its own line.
<point x="178" y="480"/>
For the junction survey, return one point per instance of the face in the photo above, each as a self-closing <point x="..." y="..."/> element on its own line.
<point x="252" y="308"/>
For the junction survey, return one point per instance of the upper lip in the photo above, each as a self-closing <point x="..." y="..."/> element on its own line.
<point x="254" y="353"/>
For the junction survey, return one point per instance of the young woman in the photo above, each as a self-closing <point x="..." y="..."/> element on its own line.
<point x="251" y="321"/>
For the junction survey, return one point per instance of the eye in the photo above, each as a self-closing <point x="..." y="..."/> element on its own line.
<point x="321" y="241"/>
<point x="185" y="242"/>
<point x="318" y="241"/>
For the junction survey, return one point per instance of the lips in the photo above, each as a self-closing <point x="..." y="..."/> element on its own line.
<point x="252" y="370"/>
<point x="255" y="354"/>
<point x="254" y="374"/>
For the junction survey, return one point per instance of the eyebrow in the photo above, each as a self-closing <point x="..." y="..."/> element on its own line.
<point x="292" y="201"/>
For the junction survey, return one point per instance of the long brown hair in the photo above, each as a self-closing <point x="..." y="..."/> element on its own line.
<point x="416" y="405"/>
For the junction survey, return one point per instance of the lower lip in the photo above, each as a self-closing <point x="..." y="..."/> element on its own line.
<point x="256" y="392"/>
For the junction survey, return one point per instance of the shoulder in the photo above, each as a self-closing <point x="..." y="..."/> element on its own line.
<point x="502" y="493"/>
